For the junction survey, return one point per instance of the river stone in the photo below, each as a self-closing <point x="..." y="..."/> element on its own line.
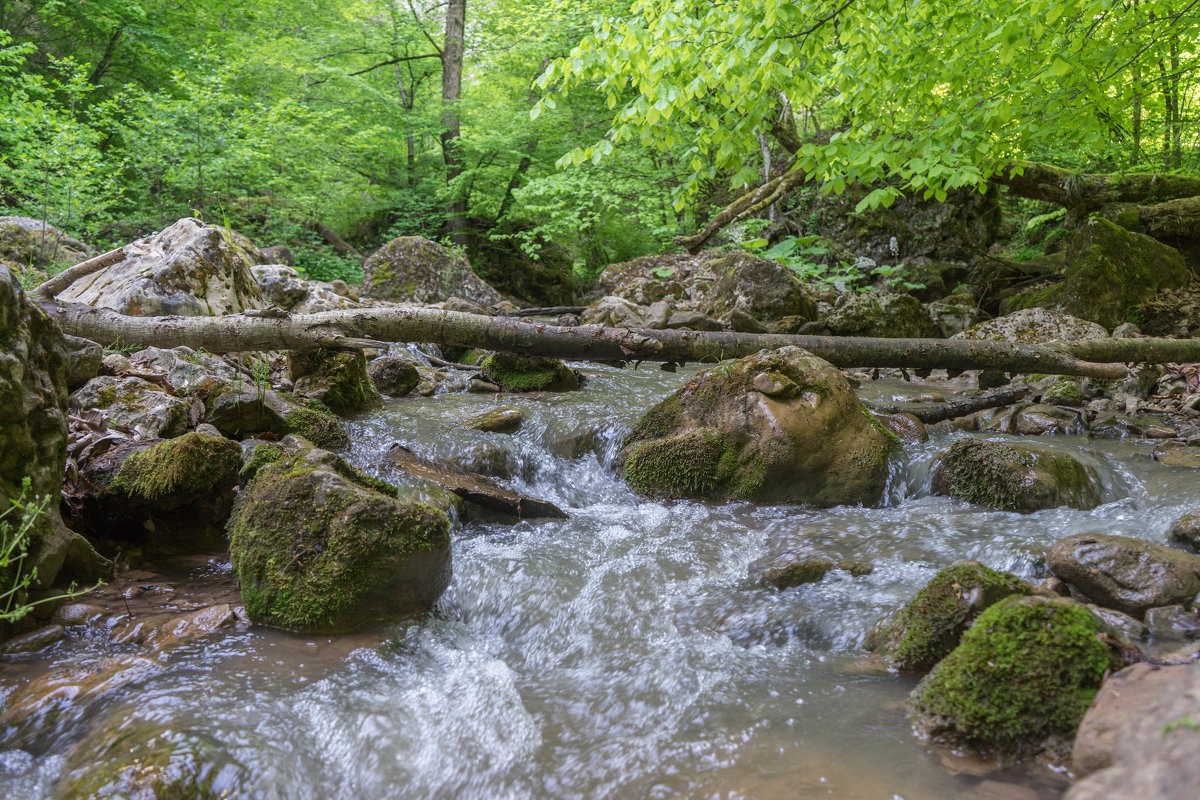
<point x="1140" y="737"/>
<point x="496" y="420"/>
<point x="907" y="428"/>
<point x="169" y="497"/>
<point x="692" y="321"/>
<point x="812" y="569"/>
<point x="31" y="242"/>
<point x="415" y="270"/>
<point x="528" y="373"/>
<point x="930" y="625"/>
<point x="134" y="404"/>
<point x="33" y="435"/>
<point x="187" y="269"/>
<point x="338" y="380"/>
<point x="1173" y="623"/>
<point x="882" y="314"/>
<point x="318" y="547"/>
<point x="1035" y="326"/>
<point x="1019" y="681"/>
<point x="1014" y="477"/>
<point x="1127" y="574"/>
<point x="1037" y="419"/>
<point x="778" y="426"/>
<point x="33" y="641"/>
<point x="764" y="289"/>
<point x="615" y="312"/>
<point x="394" y="376"/>
<point x="1185" y="532"/>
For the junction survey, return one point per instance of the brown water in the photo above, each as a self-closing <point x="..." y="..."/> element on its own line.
<point x="625" y="652"/>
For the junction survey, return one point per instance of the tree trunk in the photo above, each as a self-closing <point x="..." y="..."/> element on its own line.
<point x="340" y="245"/>
<point x="1084" y="193"/>
<point x="371" y="327"/>
<point x="745" y="206"/>
<point x="452" y="66"/>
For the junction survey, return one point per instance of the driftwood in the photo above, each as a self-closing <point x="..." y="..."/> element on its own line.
<point x="544" y="311"/>
<point x="50" y="289"/>
<point x="953" y="409"/>
<point x="371" y="327"/>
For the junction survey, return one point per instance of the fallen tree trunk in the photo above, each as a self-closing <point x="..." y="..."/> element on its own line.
<point x="340" y="245"/>
<point x="372" y="327"/>
<point x="1081" y="192"/>
<point x="929" y="414"/>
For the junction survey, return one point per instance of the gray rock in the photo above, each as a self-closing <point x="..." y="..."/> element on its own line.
<point x="497" y="420"/>
<point x="416" y="270"/>
<point x="1035" y="326"/>
<point x="84" y="358"/>
<point x="692" y="320"/>
<point x="144" y="408"/>
<point x="188" y="269"/>
<point x="881" y="314"/>
<point x="33" y="641"/>
<point x="614" y="312"/>
<point x="278" y="254"/>
<point x="32" y="242"/>
<point x="1185" y="532"/>
<point x="1173" y="623"/>
<point x="394" y="376"/>
<point x="1127" y="574"/>
<point x="759" y="287"/>
<point x="1014" y="477"/>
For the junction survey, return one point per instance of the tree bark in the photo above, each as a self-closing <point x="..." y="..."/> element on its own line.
<point x="1082" y="193"/>
<point x="452" y="66"/>
<point x="370" y="327"/>
<point x="929" y="414"/>
<point x="340" y="245"/>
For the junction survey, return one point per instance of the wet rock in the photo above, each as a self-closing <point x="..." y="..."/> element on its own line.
<point x="164" y="631"/>
<point x="84" y="358"/>
<point x="930" y="625"/>
<point x="763" y="289"/>
<point x="1065" y="392"/>
<point x="478" y="489"/>
<point x="1014" y="477"/>
<point x="77" y="614"/>
<point x="394" y="376"/>
<point x="339" y="381"/>
<point x="1127" y="574"/>
<point x="255" y="457"/>
<point x="497" y="420"/>
<point x="578" y="443"/>
<point x="1178" y="457"/>
<point x="1035" y="326"/>
<point x="1038" y="419"/>
<point x="415" y="270"/>
<point x="809" y="570"/>
<point x="528" y="374"/>
<point x="1173" y="623"/>
<point x="188" y="269"/>
<point x="1185" y="532"/>
<point x="170" y="497"/>
<point x="905" y="426"/>
<point x="316" y="546"/>
<point x="1140" y="737"/>
<point x="25" y="241"/>
<point x="779" y="426"/>
<point x="1122" y="629"/>
<point x="881" y="314"/>
<point x="137" y="405"/>
<point x="614" y="312"/>
<point x="1018" y="683"/>
<point x="33" y="641"/>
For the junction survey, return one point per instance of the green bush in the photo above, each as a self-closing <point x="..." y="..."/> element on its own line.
<point x="326" y="265"/>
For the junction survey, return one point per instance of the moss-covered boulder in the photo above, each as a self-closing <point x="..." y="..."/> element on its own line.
<point x="930" y="625"/>
<point x="169" y="496"/>
<point x="34" y="243"/>
<point x="778" y="426"/>
<point x="415" y="270"/>
<point x="135" y="404"/>
<point x="316" y="546"/>
<point x="394" y="376"/>
<point x="1130" y="575"/>
<point x="1014" y="477"/>
<point x="317" y="424"/>
<point x="1018" y="682"/>
<point x="190" y="269"/>
<point x="1110" y="271"/>
<point x="528" y="374"/>
<point x="765" y="289"/>
<point x="882" y="314"/>
<point x="1035" y="326"/>
<point x="338" y="380"/>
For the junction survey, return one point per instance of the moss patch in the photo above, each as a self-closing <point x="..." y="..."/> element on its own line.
<point x="192" y="465"/>
<point x="318" y="425"/>
<point x="263" y="454"/>
<point x="339" y="380"/>
<point x="1014" y="477"/>
<point x="527" y="374"/>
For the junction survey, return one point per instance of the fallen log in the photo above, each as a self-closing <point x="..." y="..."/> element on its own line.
<point x="544" y="311"/>
<point x="369" y="327"/>
<point x="929" y="414"/>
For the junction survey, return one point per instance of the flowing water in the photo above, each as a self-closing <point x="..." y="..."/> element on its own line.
<point x="626" y="652"/>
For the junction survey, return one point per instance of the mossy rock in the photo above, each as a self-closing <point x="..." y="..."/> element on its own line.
<point x="411" y="269"/>
<point x="930" y="625"/>
<point x="1021" y="679"/>
<point x="1014" y="477"/>
<point x="338" y="380"/>
<point x="881" y="314"/>
<point x="316" y="423"/>
<point x="316" y="546"/>
<point x="528" y="374"/>
<point x="764" y="289"/>
<point x="1066" y="392"/>
<point x="810" y="570"/>
<point x="394" y="376"/>
<point x="778" y="426"/>
<point x="260" y="456"/>
<point x="496" y="420"/>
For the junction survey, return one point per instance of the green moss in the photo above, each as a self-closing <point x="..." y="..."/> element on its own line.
<point x="1014" y="478"/>
<point x="190" y="465"/>
<point x="527" y="374"/>
<point x="318" y="426"/>
<point x="263" y="454"/>
<point x="930" y="625"/>
<point x="691" y="464"/>
<point x="1065" y="392"/>
<point x="337" y="379"/>
<point x="106" y="397"/>
<point x="472" y="357"/>
<point x="1027" y="671"/>
<point x="811" y="570"/>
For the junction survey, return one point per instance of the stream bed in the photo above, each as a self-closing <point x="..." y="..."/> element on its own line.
<point x="626" y="652"/>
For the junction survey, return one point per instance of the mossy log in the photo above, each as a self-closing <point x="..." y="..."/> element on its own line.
<point x="1038" y="181"/>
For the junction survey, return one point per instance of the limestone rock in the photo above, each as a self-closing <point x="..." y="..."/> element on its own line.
<point x="881" y="314"/>
<point x="779" y="426"/>
<point x="1035" y="326"/>
<point x="30" y="242"/>
<point x="1127" y="574"/>
<point x="416" y="270"/>
<point x="760" y="287"/>
<point x="135" y="404"/>
<point x="188" y="269"/>
<point x="1185" y="532"/>
<point x="649" y="279"/>
<point x="282" y="286"/>
<point x="394" y="376"/>
<point x="84" y="358"/>
<point x="616" y="312"/>
<point x="1014" y="477"/>
<point x="338" y="380"/>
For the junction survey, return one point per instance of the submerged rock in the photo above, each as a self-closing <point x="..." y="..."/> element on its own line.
<point x="779" y="426"/>
<point x="1019" y="682"/>
<point x="882" y="314"/>
<point x="810" y="570"/>
<point x="1127" y="574"/>
<point x="1014" y="477"/>
<point x="930" y="625"/>
<point x="339" y="381"/>
<point x="189" y="269"/>
<point x="528" y="374"/>
<point x="415" y="270"/>
<point x="497" y="420"/>
<point x="316" y="546"/>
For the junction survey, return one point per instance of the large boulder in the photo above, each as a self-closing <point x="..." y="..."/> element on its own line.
<point x="1109" y="272"/>
<point x="1127" y="574"/>
<point x="33" y="434"/>
<point x="394" y="376"/>
<point x="411" y="269"/>
<point x="1141" y="735"/>
<point x="34" y="243"/>
<point x="930" y="625"/>
<point x="169" y="496"/>
<point x="1019" y="681"/>
<point x="189" y="269"/>
<point x="617" y="312"/>
<point x="316" y="546"/>
<point x="649" y="279"/>
<point x="765" y="289"/>
<point x="338" y="380"/>
<point x="882" y="314"/>
<point x="1014" y="477"/>
<point x="528" y="374"/>
<point x="282" y="286"/>
<point x="780" y="426"/>
<point x="1035" y="326"/>
<point x="143" y="408"/>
